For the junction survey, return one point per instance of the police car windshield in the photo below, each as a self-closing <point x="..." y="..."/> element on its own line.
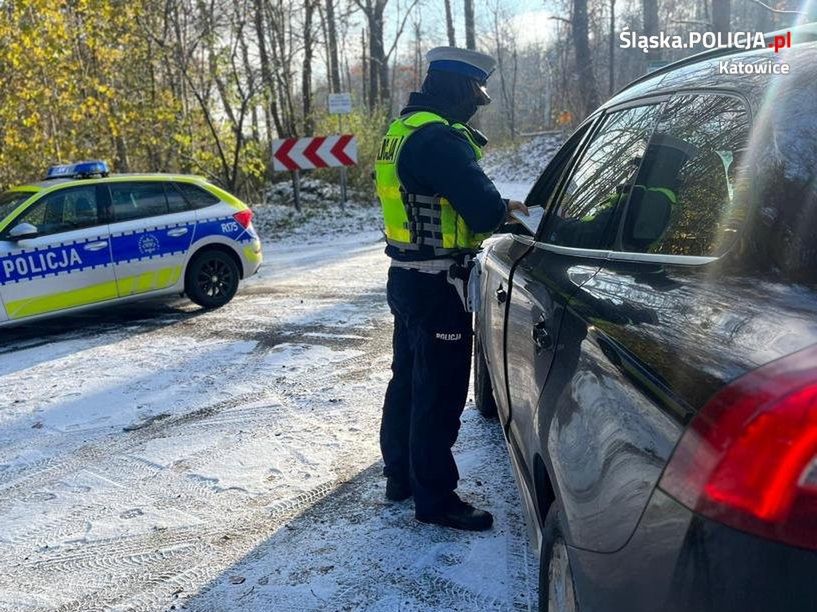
<point x="9" y="200"/>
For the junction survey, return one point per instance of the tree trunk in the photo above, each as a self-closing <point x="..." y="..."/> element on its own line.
<point x="266" y="71"/>
<point x="306" y="72"/>
<point x="611" y="77"/>
<point x="449" y="24"/>
<point x="383" y="60"/>
<point x="470" y="30"/>
<point x="364" y="62"/>
<point x="418" y="56"/>
<point x="584" y="59"/>
<point x="650" y="8"/>
<point x="334" y="64"/>
<point x="378" y="63"/>
<point x="721" y="10"/>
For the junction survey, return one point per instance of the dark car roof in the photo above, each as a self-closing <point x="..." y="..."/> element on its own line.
<point x="702" y="72"/>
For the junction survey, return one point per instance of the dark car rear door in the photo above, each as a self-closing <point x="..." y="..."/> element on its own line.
<point x="653" y="331"/>
<point x="568" y="251"/>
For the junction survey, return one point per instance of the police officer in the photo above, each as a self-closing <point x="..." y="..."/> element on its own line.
<point x="438" y="206"/>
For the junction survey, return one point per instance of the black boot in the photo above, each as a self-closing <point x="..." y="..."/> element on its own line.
<point x="459" y="515"/>
<point x="397" y="489"/>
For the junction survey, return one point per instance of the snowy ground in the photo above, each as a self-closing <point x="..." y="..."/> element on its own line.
<point x="154" y="457"/>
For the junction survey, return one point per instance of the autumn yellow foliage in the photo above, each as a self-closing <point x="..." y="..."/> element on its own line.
<point x="85" y="79"/>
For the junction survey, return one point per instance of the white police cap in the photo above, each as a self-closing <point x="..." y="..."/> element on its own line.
<point x="474" y="64"/>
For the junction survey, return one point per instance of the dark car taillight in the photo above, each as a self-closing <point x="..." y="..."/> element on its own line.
<point x="244" y="217"/>
<point x="749" y="458"/>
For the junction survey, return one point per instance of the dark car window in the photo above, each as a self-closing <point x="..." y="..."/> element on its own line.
<point x="62" y="211"/>
<point x="196" y="196"/>
<point x="138" y="200"/>
<point x="686" y="198"/>
<point x="545" y="189"/>
<point x="603" y="174"/>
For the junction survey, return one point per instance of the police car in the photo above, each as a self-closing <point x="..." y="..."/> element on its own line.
<point x="81" y="238"/>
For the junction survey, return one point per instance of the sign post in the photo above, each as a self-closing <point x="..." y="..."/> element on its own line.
<point x="340" y="104"/>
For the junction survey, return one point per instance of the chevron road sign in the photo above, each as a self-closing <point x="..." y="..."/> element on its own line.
<point x="290" y="154"/>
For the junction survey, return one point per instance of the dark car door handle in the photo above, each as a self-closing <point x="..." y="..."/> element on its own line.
<point x="501" y="295"/>
<point x="541" y="336"/>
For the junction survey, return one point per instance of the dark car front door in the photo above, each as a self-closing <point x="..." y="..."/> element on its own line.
<point x="568" y="251"/>
<point x="502" y="252"/>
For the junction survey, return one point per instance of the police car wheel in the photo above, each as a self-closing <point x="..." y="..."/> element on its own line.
<point x="212" y="279"/>
<point x="483" y="391"/>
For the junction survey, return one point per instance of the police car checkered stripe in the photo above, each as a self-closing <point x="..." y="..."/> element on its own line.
<point x="130" y="246"/>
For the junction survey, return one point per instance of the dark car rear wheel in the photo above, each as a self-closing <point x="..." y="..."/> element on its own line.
<point x="483" y="391"/>
<point x="556" y="590"/>
<point x="212" y="279"/>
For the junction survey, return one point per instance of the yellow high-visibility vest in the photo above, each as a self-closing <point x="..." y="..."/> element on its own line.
<point x="413" y="221"/>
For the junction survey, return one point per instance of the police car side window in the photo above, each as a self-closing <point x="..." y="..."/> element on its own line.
<point x="62" y="211"/>
<point x="138" y="200"/>
<point x="689" y="195"/>
<point x="176" y="202"/>
<point x="590" y="199"/>
<point x="196" y="196"/>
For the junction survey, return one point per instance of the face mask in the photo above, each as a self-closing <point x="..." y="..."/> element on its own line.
<point x="463" y="111"/>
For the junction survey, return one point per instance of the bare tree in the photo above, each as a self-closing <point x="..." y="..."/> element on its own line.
<point x="373" y="11"/>
<point x="332" y="43"/>
<point x="650" y="21"/>
<point x="470" y="30"/>
<point x="721" y="14"/>
<point x="611" y="76"/>
<point x="306" y="71"/>
<point x="507" y="74"/>
<point x="584" y="59"/>
<point x="449" y="24"/>
<point x="271" y="105"/>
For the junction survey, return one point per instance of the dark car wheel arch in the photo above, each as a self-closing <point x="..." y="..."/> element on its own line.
<point x="483" y="389"/>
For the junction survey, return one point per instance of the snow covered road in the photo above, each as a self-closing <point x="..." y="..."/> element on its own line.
<point x="153" y="456"/>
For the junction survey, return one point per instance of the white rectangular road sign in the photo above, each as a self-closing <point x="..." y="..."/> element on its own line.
<point x="340" y="103"/>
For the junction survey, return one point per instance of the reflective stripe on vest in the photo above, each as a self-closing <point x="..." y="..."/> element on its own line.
<point x="413" y="221"/>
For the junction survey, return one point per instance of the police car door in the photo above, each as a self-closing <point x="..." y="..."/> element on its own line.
<point x="151" y="232"/>
<point x="63" y="261"/>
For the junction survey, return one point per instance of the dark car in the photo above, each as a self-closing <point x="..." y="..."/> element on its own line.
<point x="652" y="350"/>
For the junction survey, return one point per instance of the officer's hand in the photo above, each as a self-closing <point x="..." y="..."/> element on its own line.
<point x="515" y="206"/>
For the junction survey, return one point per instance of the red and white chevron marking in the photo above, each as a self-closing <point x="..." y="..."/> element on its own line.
<point x="318" y="152"/>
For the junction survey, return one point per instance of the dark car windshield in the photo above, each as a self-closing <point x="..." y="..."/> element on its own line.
<point x="9" y="200"/>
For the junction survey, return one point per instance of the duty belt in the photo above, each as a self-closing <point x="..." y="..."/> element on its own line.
<point x="430" y="266"/>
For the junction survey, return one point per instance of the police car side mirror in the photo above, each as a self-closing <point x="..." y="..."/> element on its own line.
<point x="23" y="230"/>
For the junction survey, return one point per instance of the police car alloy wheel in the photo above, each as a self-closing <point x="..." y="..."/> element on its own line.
<point x="212" y="279"/>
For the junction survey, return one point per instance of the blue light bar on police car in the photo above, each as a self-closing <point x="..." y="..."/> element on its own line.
<point x="83" y="169"/>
